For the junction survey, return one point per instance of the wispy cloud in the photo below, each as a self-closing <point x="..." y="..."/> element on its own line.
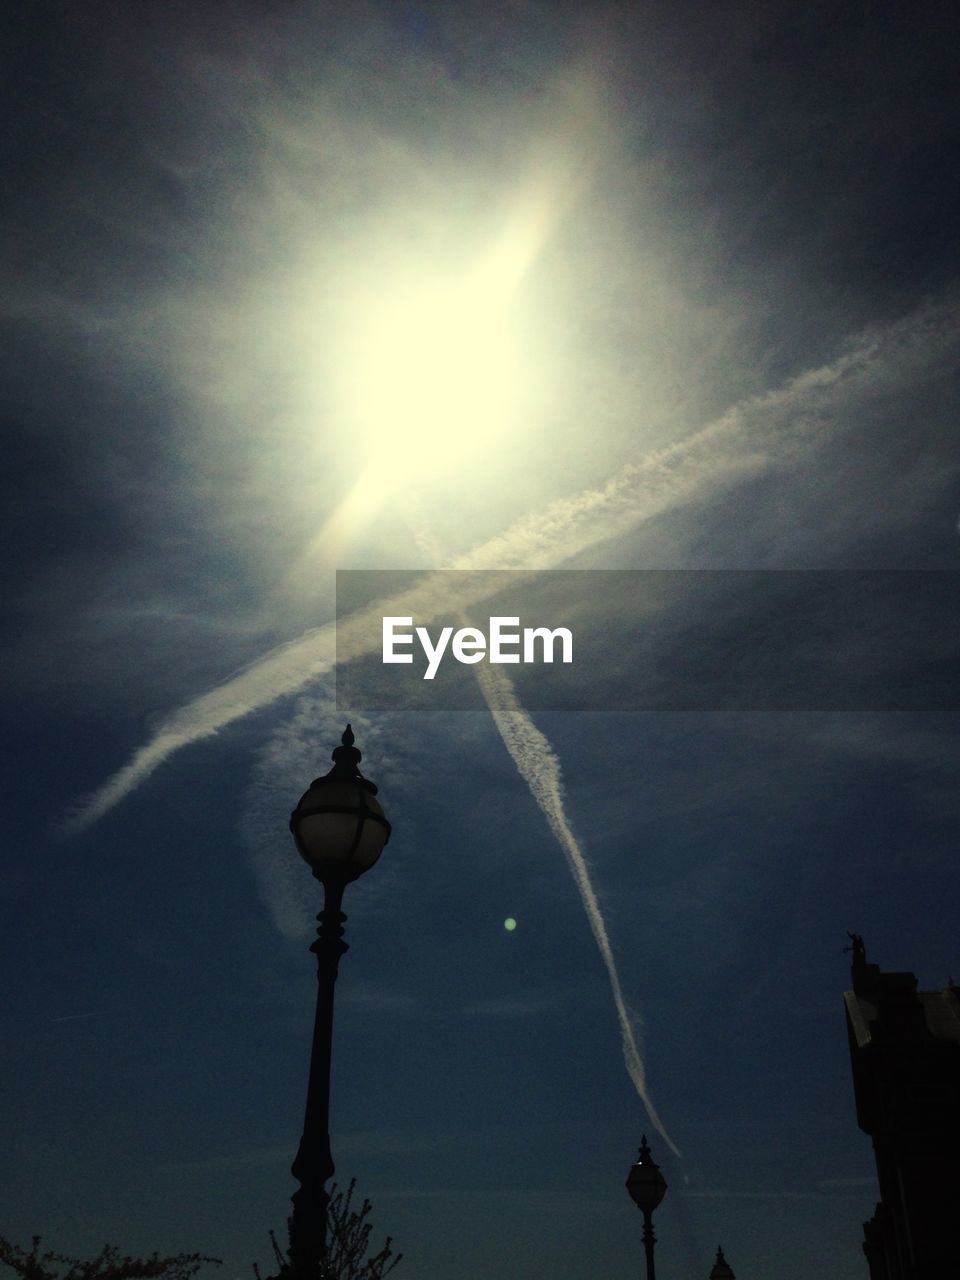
<point x="748" y="438"/>
<point x="252" y="1159"/>
<point x="291" y="751"/>
<point x="748" y="1195"/>
<point x="759" y="433"/>
<point x="848" y="1184"/>
<point x="518" y="1004"/>
<point x="380" y="1000"/>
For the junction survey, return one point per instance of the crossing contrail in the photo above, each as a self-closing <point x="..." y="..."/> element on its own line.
<point x="539" y="767"/>
<point x="749" y="438"/>
<point x="746" y="439"/>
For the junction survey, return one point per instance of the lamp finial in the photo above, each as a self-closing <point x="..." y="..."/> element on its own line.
<point x="346" y="760"/>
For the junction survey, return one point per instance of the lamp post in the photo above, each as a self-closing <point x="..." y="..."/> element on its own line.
<point x="647" y="1187"/>
<point x="340" y="831"/>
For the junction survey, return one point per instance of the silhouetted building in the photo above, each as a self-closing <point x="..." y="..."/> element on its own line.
<point x="905" y="1052"/>
<point x="721" y="1268"/>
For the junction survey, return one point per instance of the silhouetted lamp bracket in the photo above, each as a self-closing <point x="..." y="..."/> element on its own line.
<point x="338" y="826"/>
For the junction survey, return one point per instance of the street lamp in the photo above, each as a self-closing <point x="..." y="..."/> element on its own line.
<point x="339" y="829"/>
<point x="647" y="1187"/>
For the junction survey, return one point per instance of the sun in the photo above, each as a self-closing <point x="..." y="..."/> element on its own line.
<point x="431" y="375"/>
<point x="433" y="369"/>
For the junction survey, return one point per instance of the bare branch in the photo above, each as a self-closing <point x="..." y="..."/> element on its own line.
<point x="109" y="1264"/>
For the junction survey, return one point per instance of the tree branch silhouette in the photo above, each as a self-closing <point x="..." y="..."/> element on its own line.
<point x="348" y="1243"/>
<point x="108" y="1264"/>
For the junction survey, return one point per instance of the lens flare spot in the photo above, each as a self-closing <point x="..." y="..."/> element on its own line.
<point x="510" y="924"/>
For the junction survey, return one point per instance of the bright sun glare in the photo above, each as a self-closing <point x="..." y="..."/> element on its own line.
<point x="439" y="373"/>
<point x="432" y="373"/>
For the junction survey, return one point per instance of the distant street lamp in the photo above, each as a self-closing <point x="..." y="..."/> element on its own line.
<point x="340" y="830"/>
<point x="647" y="1187"/>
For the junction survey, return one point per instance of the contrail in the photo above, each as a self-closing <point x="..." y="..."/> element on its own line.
<point x="748" y="438"/>
<point x="540" y="769"/>
<point x="537" y="764"/>
<point x="283" y="671"/>
<point x="717" y="455"/>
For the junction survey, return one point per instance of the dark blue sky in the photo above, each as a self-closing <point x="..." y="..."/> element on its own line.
<point x="403" y="286"/>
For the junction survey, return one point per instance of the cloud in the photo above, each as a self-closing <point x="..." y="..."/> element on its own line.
<point x="848" y="1183"/>
<point x="763" y="432"/>
<point x="518" y="1004"/>
<point x="380" y="1000"/>
<point x="748" y="1195"/>
<point x="251" y="1159"/>
<point x="291" y="751"/>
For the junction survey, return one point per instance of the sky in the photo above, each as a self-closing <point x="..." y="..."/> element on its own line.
<point x="304" y="288"/>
